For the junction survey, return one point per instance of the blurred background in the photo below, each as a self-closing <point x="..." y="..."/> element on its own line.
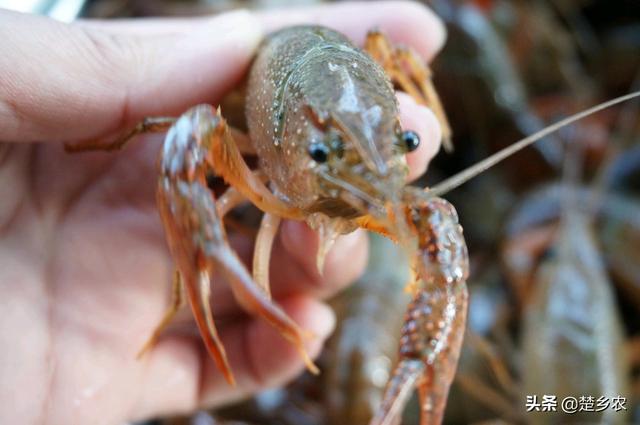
<point x="553" y="232"/>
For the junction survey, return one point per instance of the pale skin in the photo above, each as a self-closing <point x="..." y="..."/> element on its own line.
<point x="85" y="273"/>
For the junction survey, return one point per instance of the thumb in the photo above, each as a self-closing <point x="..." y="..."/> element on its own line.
<point x="71" y="82"/>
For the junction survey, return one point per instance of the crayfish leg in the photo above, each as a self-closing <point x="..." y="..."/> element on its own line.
<point x="147" y="125"/>
<point x="230" y="199"/>
<point x="369" y="223"/>
<point x="410" y="73"/>
<point x="262" y="251"/>
<point x="177" y="302"/>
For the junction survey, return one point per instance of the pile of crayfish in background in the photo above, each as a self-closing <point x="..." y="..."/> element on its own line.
<point x="322" y="119"/>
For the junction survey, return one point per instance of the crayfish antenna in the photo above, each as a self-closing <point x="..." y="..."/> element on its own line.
<point x="465" y="175"/>
<point x="398" y="391"/>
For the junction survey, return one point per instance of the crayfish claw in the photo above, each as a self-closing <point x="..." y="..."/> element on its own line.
<point x="398" y="391"/>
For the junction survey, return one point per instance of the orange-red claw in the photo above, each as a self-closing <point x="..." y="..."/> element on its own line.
<point x="435" y="319"/>
<point x="199" y="143"/>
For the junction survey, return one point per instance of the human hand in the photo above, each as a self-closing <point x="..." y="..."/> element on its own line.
<point x="84" y="268"/>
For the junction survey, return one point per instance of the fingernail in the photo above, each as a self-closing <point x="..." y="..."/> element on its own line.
<point x="324" y="321"/>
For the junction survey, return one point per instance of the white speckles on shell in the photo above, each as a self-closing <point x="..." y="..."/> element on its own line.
<point x="181" y="149"/>
<point x="295" y="70"/>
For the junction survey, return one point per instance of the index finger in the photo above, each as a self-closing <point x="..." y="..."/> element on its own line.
<point x="405" y="22"/>
<point x="108" y="75"/>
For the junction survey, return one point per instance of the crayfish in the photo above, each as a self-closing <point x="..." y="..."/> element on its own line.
<point x="323" y="121"/>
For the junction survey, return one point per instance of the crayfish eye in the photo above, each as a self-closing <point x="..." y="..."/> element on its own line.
<point x="410" y="140"/>
<point x="319" y="152"/>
